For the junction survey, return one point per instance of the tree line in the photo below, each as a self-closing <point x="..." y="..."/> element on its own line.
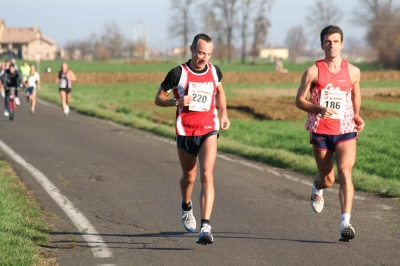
<point x="248" y="21"/>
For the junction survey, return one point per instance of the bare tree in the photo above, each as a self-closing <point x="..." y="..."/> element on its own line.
<point x="228" y="10"/>
<point x="112" y="39"/>
<point x="296" y="42"/>
<point x="382" y="20"/>
<point x="181" y="23"/>
<point x="247" y="9"/>
<point x="246" y="12"/>
<point x="215" y="29"/>
<point x="322" y="14"/>
<point x="260" y="33"/>
<point x="81" y="49"/>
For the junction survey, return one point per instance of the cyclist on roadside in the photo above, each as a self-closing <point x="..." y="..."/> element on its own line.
<point x="64" y="80"/>
<point x="10" y="79"/>
<point x="32" y="83"/>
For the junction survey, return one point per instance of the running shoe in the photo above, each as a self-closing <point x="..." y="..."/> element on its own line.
<point x="347" y="232"/>
<point x="17" y="102"/>
<point x="317" y="202"/>
<point x="32" y="110"/>
<point x="188" y="220"/>
<point x="6" y="113"/>
<point x="205" y="237"/>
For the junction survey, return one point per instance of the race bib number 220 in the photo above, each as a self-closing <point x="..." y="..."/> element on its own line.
<point x="202" y="95"/>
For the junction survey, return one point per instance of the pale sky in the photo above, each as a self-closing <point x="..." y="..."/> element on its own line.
<point x="70" y="20"/>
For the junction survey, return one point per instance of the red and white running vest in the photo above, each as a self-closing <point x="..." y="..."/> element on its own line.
<point x="333" y="91"/>
<point x="201" y="117"/>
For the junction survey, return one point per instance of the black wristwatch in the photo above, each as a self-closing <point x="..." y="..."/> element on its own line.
<point x="175" y="101"/>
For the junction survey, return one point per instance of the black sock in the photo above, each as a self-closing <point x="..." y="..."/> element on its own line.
<point x="186" y="207"/>
<point x="204" y="221"/>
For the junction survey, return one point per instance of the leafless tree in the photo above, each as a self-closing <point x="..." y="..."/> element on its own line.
<point x="260" y="32"/>
<point x="213" y="27"/>
<point x="81" y="49"/>
<point x="247" y="12"/>
<point x="112" y="39"/>
<point x="382" y="19"/>
<point x="322" y="14"/>
<point x="246" y="9"/>
<point x="182" y="23"/>
<point x="228" y="9"/>
<point x="296" y="42"/>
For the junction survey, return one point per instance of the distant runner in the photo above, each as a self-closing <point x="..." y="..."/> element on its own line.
<point x="64" y="81"/>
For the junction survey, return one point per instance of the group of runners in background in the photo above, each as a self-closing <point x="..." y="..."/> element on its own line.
<point x="28" y="78"/>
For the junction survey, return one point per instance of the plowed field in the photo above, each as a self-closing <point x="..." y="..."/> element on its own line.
<point x="259" y="77"/>
<point x="268" y="104"/>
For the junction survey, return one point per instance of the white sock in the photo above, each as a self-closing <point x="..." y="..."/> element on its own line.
<point x="346" y="217"/>
<point x="317" y="191"/>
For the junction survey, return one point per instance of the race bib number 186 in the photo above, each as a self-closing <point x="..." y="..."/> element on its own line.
<point x="334" y="100"/>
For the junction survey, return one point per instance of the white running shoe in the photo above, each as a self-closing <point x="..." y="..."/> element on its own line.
<point x="317" y="202"/>
<point x="17" y="102"/>
<point x="32" y="110"/>
<point x="6" y="113"/>
<point x="188" y="220"/>
<point x="347" y="232"/>
<point x="205" y="237"/>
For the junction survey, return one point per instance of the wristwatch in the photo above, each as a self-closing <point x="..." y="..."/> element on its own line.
<point x="175" y="101"/>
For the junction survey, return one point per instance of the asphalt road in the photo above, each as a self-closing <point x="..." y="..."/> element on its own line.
<point x="122" y="186"/>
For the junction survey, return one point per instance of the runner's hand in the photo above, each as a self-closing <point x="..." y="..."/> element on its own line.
<point x="359" y="123"/>
<point x="327" y="113"/>
<point x="225" y="123"/>
<point x="187" y="99"/>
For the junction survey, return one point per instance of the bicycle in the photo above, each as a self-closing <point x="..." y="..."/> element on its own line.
<point x="12" y="106"/>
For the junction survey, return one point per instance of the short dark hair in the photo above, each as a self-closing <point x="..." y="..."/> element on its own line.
<point x="11" y="65"/>
<point x="331" y="29"/>
<point x="198" y="37"/>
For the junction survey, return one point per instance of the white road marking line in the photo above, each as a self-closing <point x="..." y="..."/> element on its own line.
<point x="89" y="233"/>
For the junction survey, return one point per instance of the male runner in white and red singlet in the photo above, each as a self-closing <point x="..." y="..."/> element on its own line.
<point x="197" y="92"/>
<point x="333" y="121"/>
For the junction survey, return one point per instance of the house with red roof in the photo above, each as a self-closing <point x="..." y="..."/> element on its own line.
<point x="26" y="43"/>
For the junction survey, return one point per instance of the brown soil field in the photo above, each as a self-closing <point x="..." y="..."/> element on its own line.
<point x="259" y="77"/>
<point x="272" y="107"/>
<point x="268" y="104"/>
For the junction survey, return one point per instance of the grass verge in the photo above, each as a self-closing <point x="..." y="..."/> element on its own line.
<point x="22" y="226"/>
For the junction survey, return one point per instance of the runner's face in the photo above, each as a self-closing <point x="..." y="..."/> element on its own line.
<point x="202" y="55"/>
<point x="332" y="45"/>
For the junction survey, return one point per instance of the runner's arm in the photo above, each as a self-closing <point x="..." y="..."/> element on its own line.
<point x="71" y="76"/>
<point x="355" y="75"/>
<point x="162" y="98"/>
<point x="310" y="77"/>
<point x="221" y="104"/>
<point x="38" y="81"/>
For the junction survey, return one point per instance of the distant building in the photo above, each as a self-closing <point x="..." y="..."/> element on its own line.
<point x="273" y="53"/>
<point x="26" y="43"/>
